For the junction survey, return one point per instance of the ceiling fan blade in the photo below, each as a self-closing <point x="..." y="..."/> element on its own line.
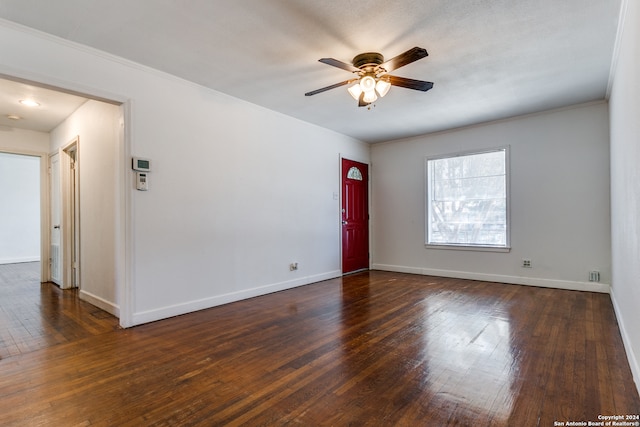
<point x="403" y="59"/>
<point x="410" y="83"/>
<point x="324" y="89"/>
<point x="339" y="64"/>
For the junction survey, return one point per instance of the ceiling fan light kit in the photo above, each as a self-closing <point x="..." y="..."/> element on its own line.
<point x="373" y="79"/>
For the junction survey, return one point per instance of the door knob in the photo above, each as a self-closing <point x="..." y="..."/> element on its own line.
<point x="344" y="222"/>
<point x="56" y="226"/>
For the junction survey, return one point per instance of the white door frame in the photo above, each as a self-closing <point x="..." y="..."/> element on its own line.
<point x="123" y="239"/>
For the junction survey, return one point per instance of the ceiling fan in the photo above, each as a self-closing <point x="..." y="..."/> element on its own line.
<point x="372" y="79"/>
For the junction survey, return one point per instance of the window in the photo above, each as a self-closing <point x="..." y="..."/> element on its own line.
<point x="467" y="200"/>
<point x="354" y="173"/>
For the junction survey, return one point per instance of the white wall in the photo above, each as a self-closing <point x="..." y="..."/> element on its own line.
<point x="625" y="185"/>
<point x="559" y="201"/>
<point x="97" y="125"/>
<point x="237" y="192"/>
<point x="19" y="208"/>
<point x="23" y="141"/>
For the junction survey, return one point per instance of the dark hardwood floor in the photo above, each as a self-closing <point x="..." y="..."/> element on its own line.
<point x="374" y="348"/>
<point x="35" y="316"/>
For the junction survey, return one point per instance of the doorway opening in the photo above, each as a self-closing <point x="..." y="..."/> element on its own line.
<point x="20" y="210"/>
<point x="84" y="206"/>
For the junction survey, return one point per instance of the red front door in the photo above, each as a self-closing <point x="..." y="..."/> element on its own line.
<point x="355" y="216"/>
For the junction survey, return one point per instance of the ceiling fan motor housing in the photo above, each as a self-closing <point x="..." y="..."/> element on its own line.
<point x="368" y="59"/>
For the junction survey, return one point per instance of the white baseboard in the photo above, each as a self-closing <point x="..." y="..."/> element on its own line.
<point x="19" y="260"/>
<point x="634" y="362"/>
<point x="191" y="306"/>
<point x="515" y="280"/>
<point x="101" y="303"/>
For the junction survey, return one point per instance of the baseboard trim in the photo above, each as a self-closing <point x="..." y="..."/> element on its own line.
<point x="101" y="303"/>
<point x="202" y="304"/>
<point x="19" y="260"/>
<point x="633" y="360"/>
<point x="514" y="280"/>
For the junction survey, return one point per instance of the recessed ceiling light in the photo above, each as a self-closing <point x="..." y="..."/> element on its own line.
<point x="13" y="117"/>
<point x="29" y="103"/>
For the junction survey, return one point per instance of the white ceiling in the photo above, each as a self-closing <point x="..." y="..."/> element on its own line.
<point x="54" y="106"/>
<point x="488" y="59"/>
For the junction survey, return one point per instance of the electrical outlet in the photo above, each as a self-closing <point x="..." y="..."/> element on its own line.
<point x="594" y="276"/>
<point x="293" y="266"/>
<point x="526" y="263"/>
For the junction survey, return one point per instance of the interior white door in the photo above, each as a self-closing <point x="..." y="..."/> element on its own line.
<point x="69" y="214"/>
<point x="74" y="216"/>
<point x="56" y="218"/>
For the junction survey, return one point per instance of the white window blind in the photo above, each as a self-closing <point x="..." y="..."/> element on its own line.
<point x="467" y="200"/>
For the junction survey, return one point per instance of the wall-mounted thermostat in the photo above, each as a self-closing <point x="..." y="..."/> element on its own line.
<point x="141" y="165"/>
<point x="141" y="181"/>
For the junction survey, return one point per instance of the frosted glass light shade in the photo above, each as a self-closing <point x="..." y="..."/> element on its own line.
<point x="382" y="87"/>
<point x="355" y="91"/>
<point x="367" y="83"/>
<point x="370" y="96"/>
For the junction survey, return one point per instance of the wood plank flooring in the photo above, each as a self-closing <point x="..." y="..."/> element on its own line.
<point x="35" y="316"/>
<point x="374" y="348"/>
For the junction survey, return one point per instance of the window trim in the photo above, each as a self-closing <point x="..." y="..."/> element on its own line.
<point x="427" y="216"/>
